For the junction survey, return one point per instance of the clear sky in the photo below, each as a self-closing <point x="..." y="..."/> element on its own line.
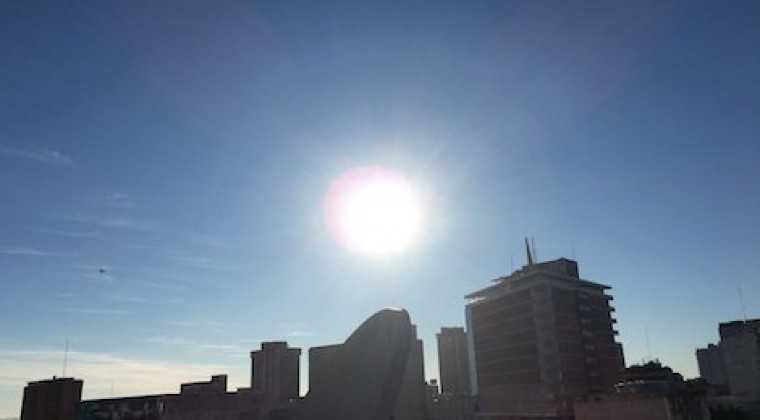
<point x="187" y="149"/>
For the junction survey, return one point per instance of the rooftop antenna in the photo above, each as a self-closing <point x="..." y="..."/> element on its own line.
<point x="741" y="302"/>
<point x="65" y="357"/>
<point x="527" y="250"/>
<point x="533" y="246"/>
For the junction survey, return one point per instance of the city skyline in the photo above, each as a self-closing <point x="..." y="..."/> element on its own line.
<point x="164" y="171"/>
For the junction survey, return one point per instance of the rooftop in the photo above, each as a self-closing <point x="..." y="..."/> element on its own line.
<point x="562" y="269"/>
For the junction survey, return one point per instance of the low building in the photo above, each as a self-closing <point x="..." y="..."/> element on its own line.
<point x="196" y="401"/>
<point x="648" y="392"/>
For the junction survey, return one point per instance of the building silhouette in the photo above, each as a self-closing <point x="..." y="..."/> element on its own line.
<point x="453" y="361"/>
<point x="275" y="371"/>
<point x="732" y="367"/>
<point x="648" y="391"/>
<point x="376" y="374"/>
<point x="540" y="338"/>
<point x="53" y="399"/>
<point x="711" y="366"/>
<point x="740" y="348"/>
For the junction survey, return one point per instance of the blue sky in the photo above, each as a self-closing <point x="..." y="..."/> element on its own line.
<point x="187" y="148"/>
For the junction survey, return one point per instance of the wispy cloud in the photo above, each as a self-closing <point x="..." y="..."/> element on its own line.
<point x="48" y="156"/>
<point x="189" y="344"/>
<point x="127" y="299"/>
<point x="114" y="222"/>
<point x="26" y="252"/>
<point x="69" y="233"/>
<point x="206" y="263"/>
<point x="120" y="200"/>
<point x="300" y="333"/>
<point x="195" y="324"/>
<point x="97" y="311"/>
<point x="99" y="277"/>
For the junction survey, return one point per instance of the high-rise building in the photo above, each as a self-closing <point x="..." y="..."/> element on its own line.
<point x="711" y="366"/>
<point x="740" y="348"/>
<point x="275" y="371"/>
<point x="540" y="338"/>
<point x="53" y="399"/>
<point x="453" y="361"/>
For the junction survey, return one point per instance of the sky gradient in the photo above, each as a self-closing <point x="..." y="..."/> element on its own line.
<point x="187" y="149"/>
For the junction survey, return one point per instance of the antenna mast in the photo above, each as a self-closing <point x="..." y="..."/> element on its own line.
<point x="741" y="302"/>
<point x="533" y="246"/>
<point x="65" y="357"/>
<point x="527" y="250"/>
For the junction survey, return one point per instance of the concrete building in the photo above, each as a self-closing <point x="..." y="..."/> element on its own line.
<point x="275" y="371"/>
<point x="196" y="401"/>
<point x="144" y="407"/>
<point x="740" y="348"/>
<point x="711" y="366"/>
<point x="453" y="361"/>
<point x="320" y="364"/>
<point x="53" y="399"/>
<point x="540" y="338"/>
<point x="377" y="373"/>
<point x="648" y="392"/>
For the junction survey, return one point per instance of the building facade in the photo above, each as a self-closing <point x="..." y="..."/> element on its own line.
<point x="711" y="366"/>
<point x="275" y="371"/>
<point x="740" y="348"/>
<point x="53" y="399"/>
<point x="540" y="338"/>
<point x="453" y="361"/>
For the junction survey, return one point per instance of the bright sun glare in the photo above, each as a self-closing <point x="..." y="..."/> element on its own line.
<point x="373" y="211"/>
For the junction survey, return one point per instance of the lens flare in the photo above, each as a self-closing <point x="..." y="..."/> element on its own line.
<point x="373" y="211"/>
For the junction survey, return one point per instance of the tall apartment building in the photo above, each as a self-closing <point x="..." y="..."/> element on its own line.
<point x="53" y="399"/>
<point x="453" y="361"/>
<point x="740" y="347"/>
<point x="275" y="371"/>
<point x="539" y="338"/>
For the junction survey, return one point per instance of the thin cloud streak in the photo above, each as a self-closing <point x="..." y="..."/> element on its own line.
<point x="300" y="334"/>
<point x="27" y="252"/>
<point x="70" y="234"/>
<point x="48" y="156"/>
<point x="120" y="201"/>
<point x="188" y="344"/>
<point x="114" y="222"/>
<point x="96" y="311"/>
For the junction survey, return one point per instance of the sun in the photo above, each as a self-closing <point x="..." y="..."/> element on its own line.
<point x="373" y="211"/>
